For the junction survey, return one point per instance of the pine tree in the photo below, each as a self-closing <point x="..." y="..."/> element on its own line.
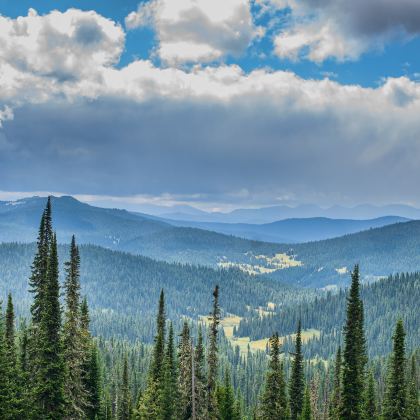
<point x="49" y="387"/>
<point x="369" y="409"/>
<point x="5" y="397"/>
<point x="413" y="409"/>
<point x="185" y="373"/>
<point x="150" y="406"/>
<point x="297" y="383"/>
<point x="74" y="353"/>
<point x="39" y="267"/>
<point x="212" y="359"/>
<point x="170" y="390"/>
<point x="335" y="405"/>
<point x="200" y="378"/>
<point x="273" y="404"/>
<point x="306" y="413"/>
<point x="226" y="399"/>
<point x="125" y="395"/>
<point x="92" y="384"/>
<point x="354" y="354"/>
<point x="11" y="360"/>
<point x="395" y="404"/>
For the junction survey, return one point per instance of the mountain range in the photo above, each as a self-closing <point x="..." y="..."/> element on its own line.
<point x="380" y="250"/>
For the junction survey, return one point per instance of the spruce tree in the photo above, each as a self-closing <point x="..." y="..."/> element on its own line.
<point x="170" y="379"/>
<point x="200" y="378"/>
<point x="5" y="397"/>
<point x="273" y="404"/>
<point x="370" y="409"/>
<point x="185" y="373"/>
<point x="413" y="409"/>
<point x="11" y="360"/>
<point x="124" y="412"/>
<point x="226" y="400"/>
<point x="49" y="395"/>
<point x="395" y="404"/>
<point x="297" y="384"/>
<point x="92" y="384"/>
<point x="74" y="354"/>
<point x="150" y="406"/>
<point x="335" y="404"/>
<point x="212" y="358"/>
<point x="354" y="354"/>
<point x="306" y="413"/>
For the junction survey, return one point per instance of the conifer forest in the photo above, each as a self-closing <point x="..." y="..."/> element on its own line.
<point x="53" y="367"/>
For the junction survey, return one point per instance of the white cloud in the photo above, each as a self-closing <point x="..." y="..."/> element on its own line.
<point x="318" y="30"/>
<point x="197" y="30"/>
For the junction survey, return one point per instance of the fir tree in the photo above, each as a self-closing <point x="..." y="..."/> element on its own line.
<point x="92" y="384"/>
<point x="335" y="405"/>
<point x="212" y="359"/>
<point x="413" y="411"/>
<point x="369" y="409"/>
<point x="200" y="378"/>
<point x="124" y="412"/>
<point x="395" y="404"/>
<point x="273" y="403"/>
<point x="150" y="406"/>
<point x="74" y="353"/>
<point x="297" y="379"/>
<point x="170" y="390"/>
<point x="49" y="388"/>
<point x="354" y="354"/>
<point x="306" y="413"/>
<point x="5" y="397"/>
<point x="226" y="398"/>
<point x="185" y="373"/>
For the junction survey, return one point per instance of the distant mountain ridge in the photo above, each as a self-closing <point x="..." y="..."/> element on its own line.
<point x="276" y="213"/>
<point x="294" y="230"/>
<point x="381" y="250"/>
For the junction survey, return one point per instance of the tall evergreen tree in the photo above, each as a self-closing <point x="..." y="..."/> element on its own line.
<point x="395" y="404"/>
<point x="74" y="353"/>
<point x="354" y="354"/>
<point x="370" y="406"/>
<point x="335" y="403"/>
<point x="124" y="412"/>
<point x="150" y="406"/>
<point x="185" y="373"/>
<point x="5" y="397"/>
<point x="170" y="380"/>
<point x="226" y="398"/>
<point x="49" y="388"/>
<point x="273" y="404"/>
<point x="212" y="358"/>
<point x="306" y="413"/>
<point x="297" y="381"/>
<point x="413" y="409"/>
<point x="200" y="378"/>
<point x="92" y="384"/>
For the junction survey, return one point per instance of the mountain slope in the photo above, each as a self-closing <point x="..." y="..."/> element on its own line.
<point x="294" y="230"/>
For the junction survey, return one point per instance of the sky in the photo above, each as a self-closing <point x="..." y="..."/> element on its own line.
<point x="219" y="104"/>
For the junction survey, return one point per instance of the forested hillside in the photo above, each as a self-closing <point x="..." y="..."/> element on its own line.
<point x="384" y="303"/>
<point x="123" y="288"/>
<point x="381" y="251"/>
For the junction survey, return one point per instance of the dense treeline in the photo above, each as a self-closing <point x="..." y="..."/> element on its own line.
<point x="118" y="288"/>
<point x="52" y="367"/>
<point x="385" y="302"/>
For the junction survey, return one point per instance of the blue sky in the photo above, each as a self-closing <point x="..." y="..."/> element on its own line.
<point x="217" y="104"/>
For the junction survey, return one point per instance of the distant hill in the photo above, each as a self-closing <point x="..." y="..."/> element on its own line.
<point x="381" y="251"/>
<point x="275" y="213"/>
<point x="294" y="230"/>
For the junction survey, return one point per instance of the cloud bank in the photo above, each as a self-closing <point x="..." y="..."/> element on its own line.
<point x="80" y="124"/>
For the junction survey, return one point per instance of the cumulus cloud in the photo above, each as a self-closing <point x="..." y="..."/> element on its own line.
<point x="206" y="132"/>
<point x="197" y="30"/>
<point x="344" y="30"/>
